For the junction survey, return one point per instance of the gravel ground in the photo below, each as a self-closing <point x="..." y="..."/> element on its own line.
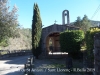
<point x="13" y="65"/>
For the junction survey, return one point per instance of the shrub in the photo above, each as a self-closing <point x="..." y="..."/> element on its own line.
<point x="70" y="41"/>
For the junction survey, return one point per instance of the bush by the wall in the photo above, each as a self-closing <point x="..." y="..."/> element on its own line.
<point x="89" y="38"/>
<point x="70" y="41"/>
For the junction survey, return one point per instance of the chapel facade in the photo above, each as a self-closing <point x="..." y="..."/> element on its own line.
<point x="50" y="34"/>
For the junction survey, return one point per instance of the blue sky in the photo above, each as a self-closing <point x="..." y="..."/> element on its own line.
<point x="51" y="10"/>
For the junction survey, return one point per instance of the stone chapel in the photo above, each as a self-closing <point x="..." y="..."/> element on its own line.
<point x="50" y="34"/>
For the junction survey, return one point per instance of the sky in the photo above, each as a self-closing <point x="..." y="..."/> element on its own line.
<point x="51" y="10"/>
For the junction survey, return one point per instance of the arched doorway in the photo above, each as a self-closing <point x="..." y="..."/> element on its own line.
<point x="52" y="42"/>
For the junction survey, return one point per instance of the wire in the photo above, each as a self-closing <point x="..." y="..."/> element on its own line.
<point x="97" y="15"/>
<point x="96" y="11"/>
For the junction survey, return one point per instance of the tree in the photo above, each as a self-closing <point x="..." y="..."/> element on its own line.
<point x="36" y="31"/>
<point x="86" y="24"/>
<point x="83" y="23"/>
<point x="8" y="21"/>
<point x="78" y="22"/>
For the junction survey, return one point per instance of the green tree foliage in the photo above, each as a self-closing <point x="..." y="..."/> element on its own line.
<point x="83" y="23"/>
<point x="89" y="38"/>
<point x="27" y="34"/>
<point x="36" y="31"/>
<point x="8" y="21"/>
<point x="78" y="22"/>
<point x="70" y="41"/>
<point x="86" y="24"/>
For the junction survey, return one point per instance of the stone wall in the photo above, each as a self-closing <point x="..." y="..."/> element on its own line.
<point x="97" y="54"/>
<point x="14" y="53"/>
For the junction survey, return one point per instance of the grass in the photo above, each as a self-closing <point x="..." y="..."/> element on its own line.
<point x="76" y="64"/>
<point x="56" y="65"/>
<point x="59" y="63"/>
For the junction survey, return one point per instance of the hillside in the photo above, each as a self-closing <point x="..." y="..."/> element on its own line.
<point x="19" y="43"/>
<point x="94" y="23"/>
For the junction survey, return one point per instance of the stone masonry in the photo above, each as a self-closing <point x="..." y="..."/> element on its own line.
<point x="52" y="29"/>
<point x="97" y="54"/>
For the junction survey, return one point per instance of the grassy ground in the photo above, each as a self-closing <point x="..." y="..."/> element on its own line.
<point x="76" y="64"/>
<point x="58" y="63"/>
